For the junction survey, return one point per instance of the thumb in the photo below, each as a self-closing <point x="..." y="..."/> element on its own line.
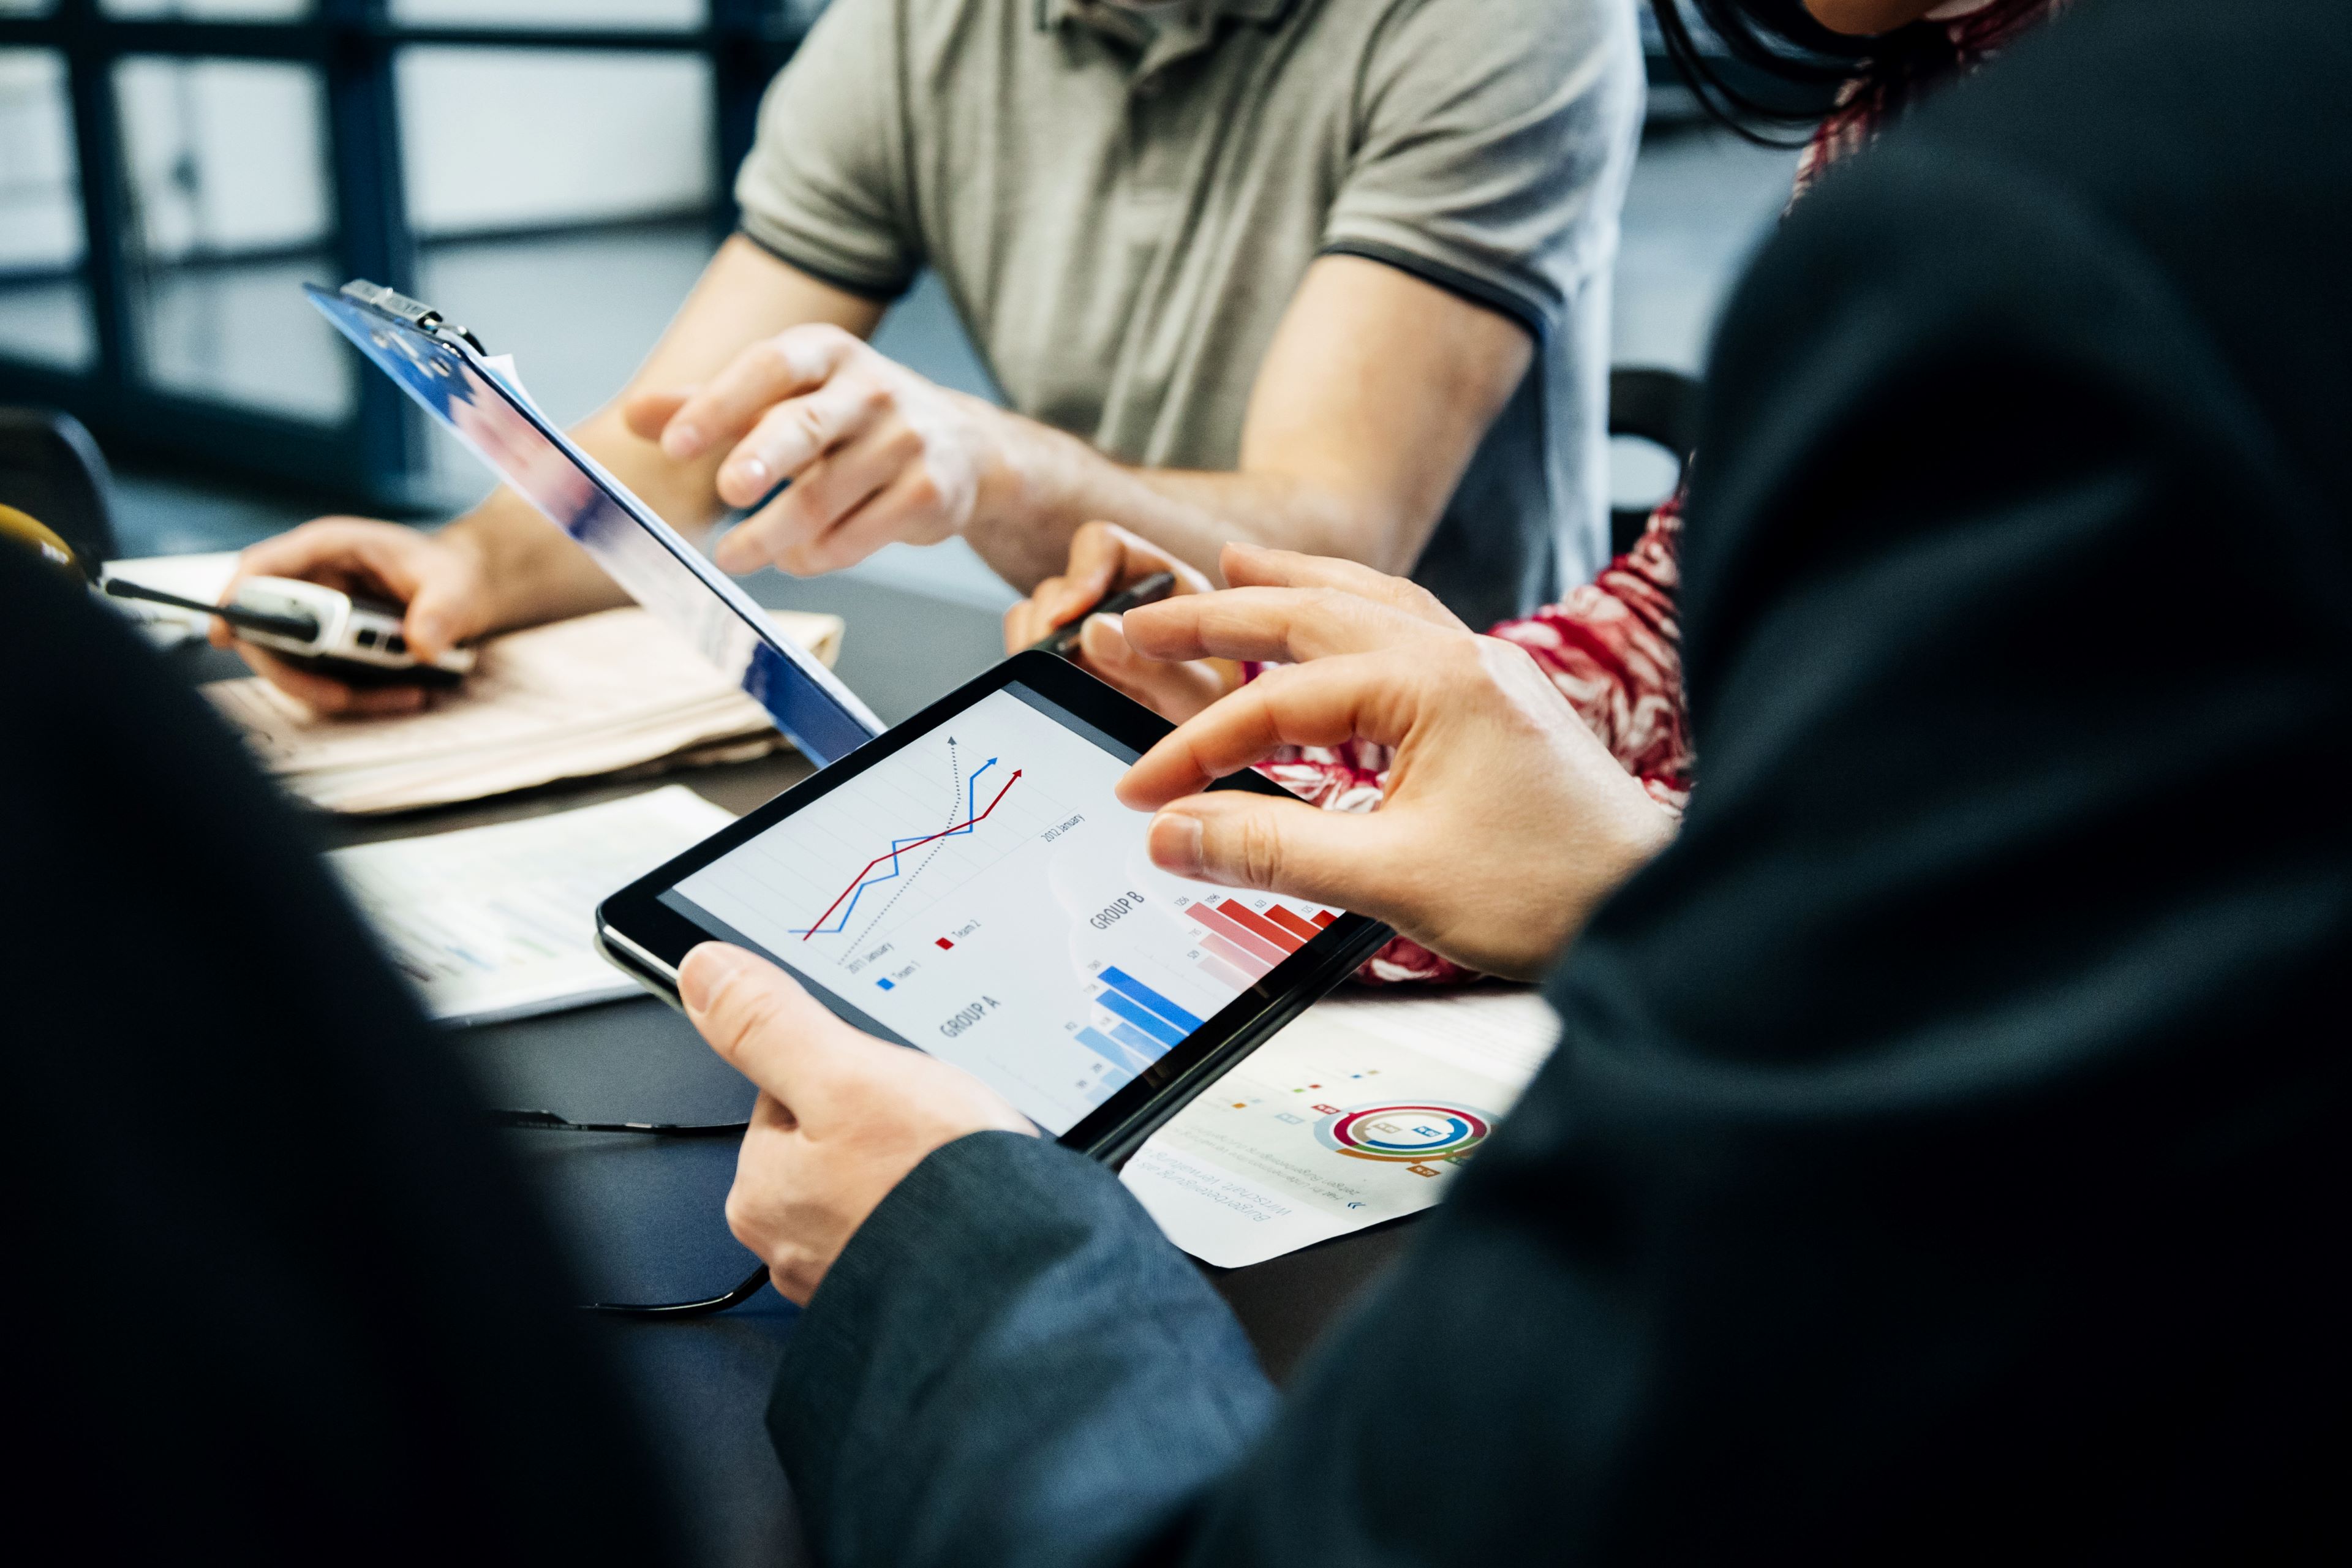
<point x="1275" y="845"/>
<point x="763" y="1024"/>
<point x="446" y="605"/>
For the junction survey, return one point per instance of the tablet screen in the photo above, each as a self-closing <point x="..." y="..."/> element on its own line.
<point x="983" y="896"/>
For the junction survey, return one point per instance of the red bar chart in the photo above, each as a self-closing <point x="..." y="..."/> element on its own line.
<point x="1239" y="941"/>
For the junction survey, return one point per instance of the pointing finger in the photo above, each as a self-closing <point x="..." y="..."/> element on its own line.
<point x="798" y="431"/>
<point x="1370" y="696"/>
<point x="1258" y="566"/>
<point x="1282" y="625"/>
<point x="725" y="409"/>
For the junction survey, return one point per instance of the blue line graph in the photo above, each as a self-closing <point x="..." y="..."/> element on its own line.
<point x="971" y="797"/>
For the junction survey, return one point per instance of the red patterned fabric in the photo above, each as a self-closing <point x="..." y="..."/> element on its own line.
<point x="1613" y="647"/>
<point x="1964" y="38"/>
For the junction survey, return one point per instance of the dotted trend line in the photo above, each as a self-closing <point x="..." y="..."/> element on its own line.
<point x="955" y="793"/>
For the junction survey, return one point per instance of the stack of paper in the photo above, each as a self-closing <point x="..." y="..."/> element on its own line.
<point x="571" y="699"/>
<point x="1362" y="1110"/>
<point x="496" y="922"/>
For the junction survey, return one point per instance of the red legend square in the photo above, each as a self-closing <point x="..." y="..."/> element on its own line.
<point x="944" y="942"/>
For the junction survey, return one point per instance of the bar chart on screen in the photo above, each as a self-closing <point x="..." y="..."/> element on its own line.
<point x="1241" y="945"/>
<point x="1236" y="945"/>
<point x="982" y="894"/>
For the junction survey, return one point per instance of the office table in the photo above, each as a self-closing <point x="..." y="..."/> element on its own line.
<point x="644" y="1215"/>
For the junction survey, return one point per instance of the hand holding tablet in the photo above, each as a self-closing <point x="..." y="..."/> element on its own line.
<point x="968" y="884"/>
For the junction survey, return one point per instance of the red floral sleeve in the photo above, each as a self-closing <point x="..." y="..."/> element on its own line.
<point x="1613" y="648"/>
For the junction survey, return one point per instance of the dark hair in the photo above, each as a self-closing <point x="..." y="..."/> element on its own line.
<point x="1774" y="68"/>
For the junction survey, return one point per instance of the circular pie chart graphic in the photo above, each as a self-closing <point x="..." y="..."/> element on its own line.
<point x="1408" y="1134"/>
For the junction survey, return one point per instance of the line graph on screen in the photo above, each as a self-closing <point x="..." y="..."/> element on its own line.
<point x="845" y="904"/>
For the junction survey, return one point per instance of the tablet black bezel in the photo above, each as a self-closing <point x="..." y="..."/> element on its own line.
<point x="1119" y="1125"/>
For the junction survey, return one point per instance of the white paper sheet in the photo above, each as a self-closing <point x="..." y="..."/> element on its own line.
<point x="1360" y="1112"/>
<point x="496" y="922"/>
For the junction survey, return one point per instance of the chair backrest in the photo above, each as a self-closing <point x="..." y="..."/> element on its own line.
<point x="1660" y="406"/>
<point x="51" y="471"/>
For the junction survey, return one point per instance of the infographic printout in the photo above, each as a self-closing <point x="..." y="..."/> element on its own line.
<point x="1361" y="1111"/>
<point x="981" y="895"/>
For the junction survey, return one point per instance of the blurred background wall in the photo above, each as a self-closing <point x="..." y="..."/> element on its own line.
<point x="552" y="173"/>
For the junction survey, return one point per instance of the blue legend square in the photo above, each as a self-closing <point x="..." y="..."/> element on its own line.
<point x="885" y="985"/>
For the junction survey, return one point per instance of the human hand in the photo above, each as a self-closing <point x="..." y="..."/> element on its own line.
<point x="440" y="576"/>
<point x="1104" y="557"/>
<point x="876" y="453"/>
<point x="1504" y="824"/>
<point x="841" y="1119"/>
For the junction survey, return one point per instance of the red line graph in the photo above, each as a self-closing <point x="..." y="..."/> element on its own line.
<point x="902" y="849"/>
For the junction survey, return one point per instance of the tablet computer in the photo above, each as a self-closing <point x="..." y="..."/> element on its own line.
<point x="968" y="884"/>
<point x="442" y="367"/>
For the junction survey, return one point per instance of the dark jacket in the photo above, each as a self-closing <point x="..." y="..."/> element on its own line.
<point x="273" y="1293"/>
<point x="1946" y="1153"/>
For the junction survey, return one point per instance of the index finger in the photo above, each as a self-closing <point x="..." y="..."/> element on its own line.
<point x="1280" y="626"/>
<point x="1249" y="565"/>
<point x="724" y="410"/>
<point x="344" y="552"/>
<point x="1370" y="697"/>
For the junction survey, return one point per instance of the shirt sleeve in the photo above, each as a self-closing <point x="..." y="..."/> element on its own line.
<point x="825" y="187"/>
<point x="1491" y="149"/>
<point x="1613" y="647"/>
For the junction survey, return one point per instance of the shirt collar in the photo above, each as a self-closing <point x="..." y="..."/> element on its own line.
<point x="1203" y="15"/>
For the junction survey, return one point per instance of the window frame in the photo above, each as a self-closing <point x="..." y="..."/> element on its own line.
<point x="376" y="457"/>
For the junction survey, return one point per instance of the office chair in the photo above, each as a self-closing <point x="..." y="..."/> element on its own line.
<point x="1660" y="406"/>
<point x="52" y="471"/>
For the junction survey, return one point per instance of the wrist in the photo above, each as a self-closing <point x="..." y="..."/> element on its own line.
<point x="1024" y="514"/>
<point x="526" y="570"/>
<point x="1011" y="477"/>
<point x="489" y="560"/>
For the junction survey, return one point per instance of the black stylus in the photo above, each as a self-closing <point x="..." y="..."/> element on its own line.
<point x="1062" y="640"/>
<point x="301" y="627"/>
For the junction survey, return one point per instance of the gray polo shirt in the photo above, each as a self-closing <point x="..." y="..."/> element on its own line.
<point x="1121" y="209"/>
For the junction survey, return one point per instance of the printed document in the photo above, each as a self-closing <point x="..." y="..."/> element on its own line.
<point x="1361" y="1111"/>
<point x="496" y="922"/>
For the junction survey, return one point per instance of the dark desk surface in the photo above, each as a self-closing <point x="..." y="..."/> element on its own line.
<point x="645" y="1216"/>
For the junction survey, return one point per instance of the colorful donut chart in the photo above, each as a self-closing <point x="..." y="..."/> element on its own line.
<point x="1407" y="1134"/>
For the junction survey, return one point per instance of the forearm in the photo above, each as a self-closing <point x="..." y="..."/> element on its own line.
<point x="534" y="571"/>
<point x="1009" y="1365"/>
<point x="1050" y="483"/>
